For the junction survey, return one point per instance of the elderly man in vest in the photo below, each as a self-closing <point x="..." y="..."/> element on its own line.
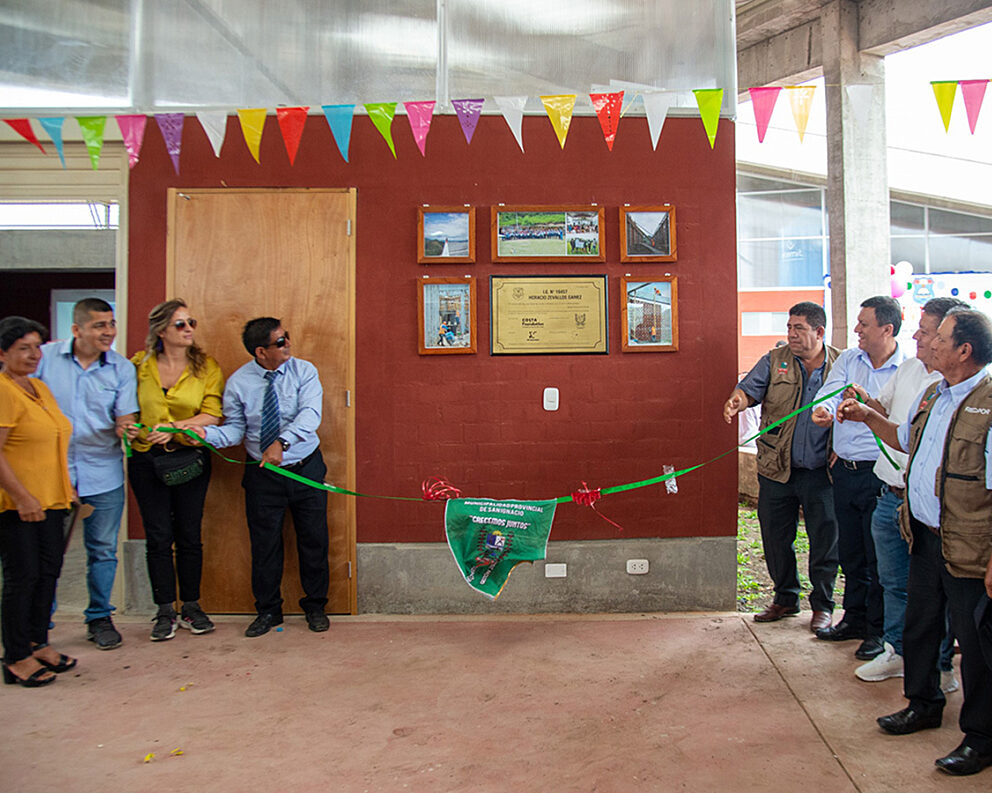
<point x="947" y="520"/>
<point x="792" y="464"/>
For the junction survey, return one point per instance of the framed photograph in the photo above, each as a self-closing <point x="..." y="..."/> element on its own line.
<point x="649" y="314"/>
<point x="647" y="234"/>
<point x="445" y="235"/>
<point x="446" y="307"/>
<point x="548" y="315"/>
<point x="548" y="234"/>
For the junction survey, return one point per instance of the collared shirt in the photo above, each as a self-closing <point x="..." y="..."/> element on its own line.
<point x="809" y="442"/>
<point x="300" y="395"/>
<point x="91" y="399"/>
<point x="853" y="440"/>
<point x="900" y="398"/>
<point x="923" y="500"/>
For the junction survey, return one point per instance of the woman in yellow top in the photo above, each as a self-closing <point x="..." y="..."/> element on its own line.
<point x="35" y="496"/>
<point x="179" y="386"/>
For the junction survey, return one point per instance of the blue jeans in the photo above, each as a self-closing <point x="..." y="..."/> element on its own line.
<point x="892" y="554"/>
<point x="100" y="537"/>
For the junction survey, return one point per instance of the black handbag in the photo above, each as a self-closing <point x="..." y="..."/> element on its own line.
<point x="177" y="465"/>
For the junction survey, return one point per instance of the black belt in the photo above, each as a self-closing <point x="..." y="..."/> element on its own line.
<point x="294" y="467"/>
<point x="857" y="465"/>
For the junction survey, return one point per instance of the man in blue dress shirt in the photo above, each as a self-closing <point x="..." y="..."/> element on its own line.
<point x="95" y="388"/>
<point x="273" y="405"/>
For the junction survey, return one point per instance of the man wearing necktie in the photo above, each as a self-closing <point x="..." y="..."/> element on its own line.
<point x="273" y="405"/>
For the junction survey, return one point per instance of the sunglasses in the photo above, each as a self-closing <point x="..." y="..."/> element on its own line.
<point x="281" y="342"/>
<point x="180" y="324"/>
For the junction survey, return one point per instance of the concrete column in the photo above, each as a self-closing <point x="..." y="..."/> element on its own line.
<point x="857" y="176"/>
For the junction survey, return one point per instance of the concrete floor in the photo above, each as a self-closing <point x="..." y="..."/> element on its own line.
<point x="654" y="702"/>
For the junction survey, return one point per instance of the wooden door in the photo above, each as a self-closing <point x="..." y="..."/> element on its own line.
<point x="243" y="253"/>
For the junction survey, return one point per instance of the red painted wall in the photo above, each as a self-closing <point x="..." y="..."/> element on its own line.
<point x="478" y="419"/>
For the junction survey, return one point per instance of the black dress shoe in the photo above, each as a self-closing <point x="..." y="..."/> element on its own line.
<point x="841" y="632"/>
<point x="317" y="621"/>
<point x="909" y="720"/>
<point x="964" y="761"/>
<point x="263" y="623"/>
<point x="869" y="648"/>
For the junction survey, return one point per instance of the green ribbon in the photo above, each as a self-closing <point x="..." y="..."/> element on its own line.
<point x="878" y="441"/>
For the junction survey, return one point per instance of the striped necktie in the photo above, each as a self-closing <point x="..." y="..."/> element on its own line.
<point x="270" y="414"/>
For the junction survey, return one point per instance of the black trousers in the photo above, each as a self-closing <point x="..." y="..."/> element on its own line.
<point x="778" y="514"/>
<point x="855" y="496"/>
<point x="31" y="554"/>
<point x="267" y="497"/>
<point x="930" y="587"/>
<point x="172" y="517"/>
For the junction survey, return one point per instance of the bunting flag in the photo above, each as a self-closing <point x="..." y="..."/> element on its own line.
<point x="53" y="126"/>
<point x="512" y="108"/>
<point x="252" y="126"/>
<point x="709" y="101"/>
<point x="171" y="125"/>
<point x="973" y="92"/>
<point x="339" y="119"/>
<point x="559" y="109"/>
<point x="214" y="123"/>
<point x="468" y="112"/>
<point x="382" y="114"/>
<point x="22" y="126"/>
<point x="92" y="129"/>
<point x="292" y="120"/>
<point x="943" y="91"/>
<point x="608" y="108"/>
<point x="860" y="97"/>
<point x="801" y="100"/>
<point x="763" y="103"/>
<point x="419" y="115"/>
<point x="656" y="105"/>
<point x="133" y="133"/>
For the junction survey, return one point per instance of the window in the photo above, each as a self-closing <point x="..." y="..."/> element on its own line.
<point x="764" y="323"/>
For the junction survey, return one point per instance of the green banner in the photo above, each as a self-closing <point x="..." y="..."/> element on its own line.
<point x="489" y="538"/>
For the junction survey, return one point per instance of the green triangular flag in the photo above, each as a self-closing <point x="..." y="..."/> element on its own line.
<point x="943" y="91"/>
<point x="709" y="101"/>
<point x="92" y="129"/>
<point x="382" y="114"/>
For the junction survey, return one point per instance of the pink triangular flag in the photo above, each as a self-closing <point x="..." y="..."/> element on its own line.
<point x="133" y="133"/>
<point x="171" y="125"/>
<point x="22" y="126"/>
<point x="608" y="107"/>
<point x="973" y="92"/>
<point x="763" y="102"/>
<point x="419" y="114"/>
<point x="291" y="122"/>
<point x="468" y="111"/>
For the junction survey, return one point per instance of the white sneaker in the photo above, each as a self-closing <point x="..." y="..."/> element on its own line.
<point x="948" y="682"/>
<point x="886" y="664"/>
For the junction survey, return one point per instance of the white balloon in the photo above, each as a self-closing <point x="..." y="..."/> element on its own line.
<point x="904" y="270"/>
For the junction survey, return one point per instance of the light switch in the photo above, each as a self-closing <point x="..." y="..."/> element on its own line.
<point x="551" y="398"/>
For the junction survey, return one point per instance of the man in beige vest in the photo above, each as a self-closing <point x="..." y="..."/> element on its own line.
<point x="947" y="520"/>
<point x="792" y="464"/>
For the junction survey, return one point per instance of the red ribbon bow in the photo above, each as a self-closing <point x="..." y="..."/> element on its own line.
<point x="437" y="488"/>
<point x="588" y="498"/>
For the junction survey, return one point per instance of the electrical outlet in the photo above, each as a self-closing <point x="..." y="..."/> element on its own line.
<point x="637" y="566"/>
<point x="555" y="570"/>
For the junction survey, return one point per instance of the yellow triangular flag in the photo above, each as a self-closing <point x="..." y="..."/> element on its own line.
<point x="709" y="101"/>
<point x="801" y="100"/>
<point x="944" y="91"/>
<point x="559" y="109"/>
<point x="252" y="124"/>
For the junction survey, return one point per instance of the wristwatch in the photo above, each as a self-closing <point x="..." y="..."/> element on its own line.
<point x="284" y="443"/>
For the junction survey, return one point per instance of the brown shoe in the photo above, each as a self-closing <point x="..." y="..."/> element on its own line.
<point x="820" y="620"/>
<point x="775" y="612"/>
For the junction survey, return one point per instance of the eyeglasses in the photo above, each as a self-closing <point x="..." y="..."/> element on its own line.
<point x="281" y="342"/>
<point x="180" y="324"/>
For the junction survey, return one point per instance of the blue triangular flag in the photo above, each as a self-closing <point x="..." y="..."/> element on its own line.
<point x="339" y="118"/>
<point x="53" y="126"/>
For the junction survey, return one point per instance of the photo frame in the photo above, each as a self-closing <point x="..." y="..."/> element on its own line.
<point x="568" y="233"/>
<point x="647" y="234"/>
<point x="446" y="309"/>
<point x="445" y="235"/>
<point x="649" y="314"/>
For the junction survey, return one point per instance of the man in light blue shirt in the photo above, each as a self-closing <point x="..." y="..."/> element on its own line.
<point x="95" y="388"/>
<point x="273" y="405"/>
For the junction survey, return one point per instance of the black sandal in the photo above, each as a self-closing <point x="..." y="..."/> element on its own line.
<point x="33" y="681"/>
<point x="64" y="665"/>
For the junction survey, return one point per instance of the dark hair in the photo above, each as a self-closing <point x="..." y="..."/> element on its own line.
<point x="887" y="311"/>
<point x="158" y="320"/>
<point x="82" y="310"/>
<point x="14" y="328"/>
<point x="811" y="312"/>
<point x="972" y="327"/>
<point x="257" y="332"/>
<point x="939" y="306"/>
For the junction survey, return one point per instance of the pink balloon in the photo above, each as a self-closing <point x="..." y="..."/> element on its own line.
<point x="898" y="287"/>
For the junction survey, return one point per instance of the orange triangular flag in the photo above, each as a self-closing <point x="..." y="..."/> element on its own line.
<point x="559" y="109"/>
<point x="291" y="123"/>
<point x="22" y="126"/>
<point x="801" y="100"/>
<point x="608" y="107"/>
<point x="252" y="125"/>
<point x="943" y="91"/>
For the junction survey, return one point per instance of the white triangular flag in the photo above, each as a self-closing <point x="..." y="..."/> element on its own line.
<point x="214" y="123"/>
<point x="656" y="104"/>
<point x="512" y="108"/>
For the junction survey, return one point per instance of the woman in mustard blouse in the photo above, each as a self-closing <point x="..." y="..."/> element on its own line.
<point x="35" y="496"/>
<point x="179" y="386"/>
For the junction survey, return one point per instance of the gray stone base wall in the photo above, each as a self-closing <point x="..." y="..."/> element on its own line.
<point x="137" y="589"/>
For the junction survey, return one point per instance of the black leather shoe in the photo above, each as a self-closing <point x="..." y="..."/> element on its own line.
<point x="909" y="720"/>
<point x="318" y="622"/>
<point x="841" y="632"/>
<point x="869" y="648"/>
<point x="263" y="623"/>
<point x="964" y="761"/>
